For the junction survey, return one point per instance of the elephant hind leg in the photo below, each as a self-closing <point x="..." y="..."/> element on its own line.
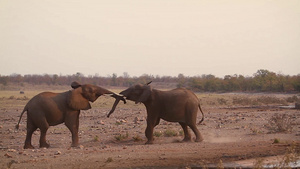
<point x="30" y="129"/>
<point x="187" y="135"/>
<point x="44" y="129"/>
<point x="199" y="137"/>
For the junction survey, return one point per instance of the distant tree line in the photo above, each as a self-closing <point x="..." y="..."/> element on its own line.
<point x="261" y="81"/>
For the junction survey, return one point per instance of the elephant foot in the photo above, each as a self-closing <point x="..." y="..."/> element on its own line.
<point x="77" y="146"/>
<point x="28" y="146"/>
<point x="187" y="140"/>
<point x="199" y="140"/>
<point x="46" y="145"/>
<point x="149" y="142"/>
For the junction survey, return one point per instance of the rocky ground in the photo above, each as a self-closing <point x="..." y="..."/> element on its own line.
<point x="231" y="133"/>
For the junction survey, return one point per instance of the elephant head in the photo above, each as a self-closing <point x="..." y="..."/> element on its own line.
<point x="81" y="95"/>
<point x="138" y="93"/>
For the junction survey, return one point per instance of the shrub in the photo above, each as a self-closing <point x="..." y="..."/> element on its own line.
<point x="280" y="123"/>
<point x="292" y="99"/>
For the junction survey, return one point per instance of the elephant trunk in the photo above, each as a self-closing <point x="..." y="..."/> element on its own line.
<point x="114" y="106"/>
<point x="101" y="91"/>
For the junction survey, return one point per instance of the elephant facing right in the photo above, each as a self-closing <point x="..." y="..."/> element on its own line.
<point x="177" y="105"/>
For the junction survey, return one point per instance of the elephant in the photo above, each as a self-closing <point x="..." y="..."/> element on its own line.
<point x="49" y="109"/>
<point x="177" y="105"/>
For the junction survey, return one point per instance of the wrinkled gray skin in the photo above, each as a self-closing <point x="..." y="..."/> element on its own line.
<point x="49" y="109"/>
<point x="177" y="105"/>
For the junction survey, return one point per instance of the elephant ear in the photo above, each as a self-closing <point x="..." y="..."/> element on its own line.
<point x="76" y="100"/>
<point x="75" y="85"/>
<point x="145" y="95"/>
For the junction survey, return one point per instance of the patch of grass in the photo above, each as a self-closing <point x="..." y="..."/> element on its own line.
<point x="220" y="165"/>
<point x="96" y="139"/>
<point x="291" y="157"/>
<point x="157" y="133"/>
<point x="276" y="141"/>
<point x="109" y="159"/>
<point x="241" y="101"/>
<point x="137" y="138"/>
<point x="170" y="133"/>
<point x="258" y="164"/>
<point x="270" y="100"/>
<point x="222" y="101"/>
<point x="255" y="131"/>
<point x="121" y="137"/>
<point x="181" y="133"/>
<point x="118" y="123"/>
<point x="262" y="100"/>
<point x="292" y="99"/>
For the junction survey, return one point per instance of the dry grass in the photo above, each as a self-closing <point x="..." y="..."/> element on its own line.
<point x="121" y="137"/>
<point x="280" y="123"/>
<point x="291" y="157"/>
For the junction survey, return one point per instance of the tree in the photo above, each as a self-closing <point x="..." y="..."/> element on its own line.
<point x="114" y="79"/>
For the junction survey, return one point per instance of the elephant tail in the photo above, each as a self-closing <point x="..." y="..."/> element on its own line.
<point x="202" y="114"/>
<point x="25" y="109"/>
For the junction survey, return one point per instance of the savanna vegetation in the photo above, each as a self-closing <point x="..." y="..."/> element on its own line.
<point x="261" y="81"/>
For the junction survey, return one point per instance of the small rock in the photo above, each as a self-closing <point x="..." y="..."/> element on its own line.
<point x="11" y="150"/>
<point x="136" y="120"/>
<point x="57" y="153"/>
<point x="81" y="147"/>
<point x="123" y="121"/>
<point x="7" y="155"/>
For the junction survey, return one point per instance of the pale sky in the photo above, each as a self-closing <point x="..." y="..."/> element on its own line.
<point x="155" y="37"/>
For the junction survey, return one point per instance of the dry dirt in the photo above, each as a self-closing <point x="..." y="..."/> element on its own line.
<point x="230" y="134"/>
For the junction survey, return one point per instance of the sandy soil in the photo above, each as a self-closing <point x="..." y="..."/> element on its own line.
<point x="229" y="135"/>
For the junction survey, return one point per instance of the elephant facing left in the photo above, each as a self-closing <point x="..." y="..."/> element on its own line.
<point x="49" y="109"/>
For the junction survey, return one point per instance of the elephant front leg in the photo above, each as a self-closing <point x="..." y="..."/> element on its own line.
<point x="151" y="123"/>
<point x="149" y="134"/>
<point x="74" y="131"/>
<point x="72" y="122"/>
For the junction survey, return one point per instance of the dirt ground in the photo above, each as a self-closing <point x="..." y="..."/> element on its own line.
<point x="231" y="133"/>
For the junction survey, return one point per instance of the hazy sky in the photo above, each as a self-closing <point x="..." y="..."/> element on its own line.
<point x="156" y="37"/>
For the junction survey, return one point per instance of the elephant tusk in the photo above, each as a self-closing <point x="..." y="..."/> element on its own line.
<point x="120" y="95"/>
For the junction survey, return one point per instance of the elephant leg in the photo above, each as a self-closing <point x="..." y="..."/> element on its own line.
<point x="44" y="129"/>
<point x="30" y="129"/>
<point x="72" y="122"/>
<point x="199" y="137"/>
<point x="187" y="135"/>
<point x="151" y="123"/>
